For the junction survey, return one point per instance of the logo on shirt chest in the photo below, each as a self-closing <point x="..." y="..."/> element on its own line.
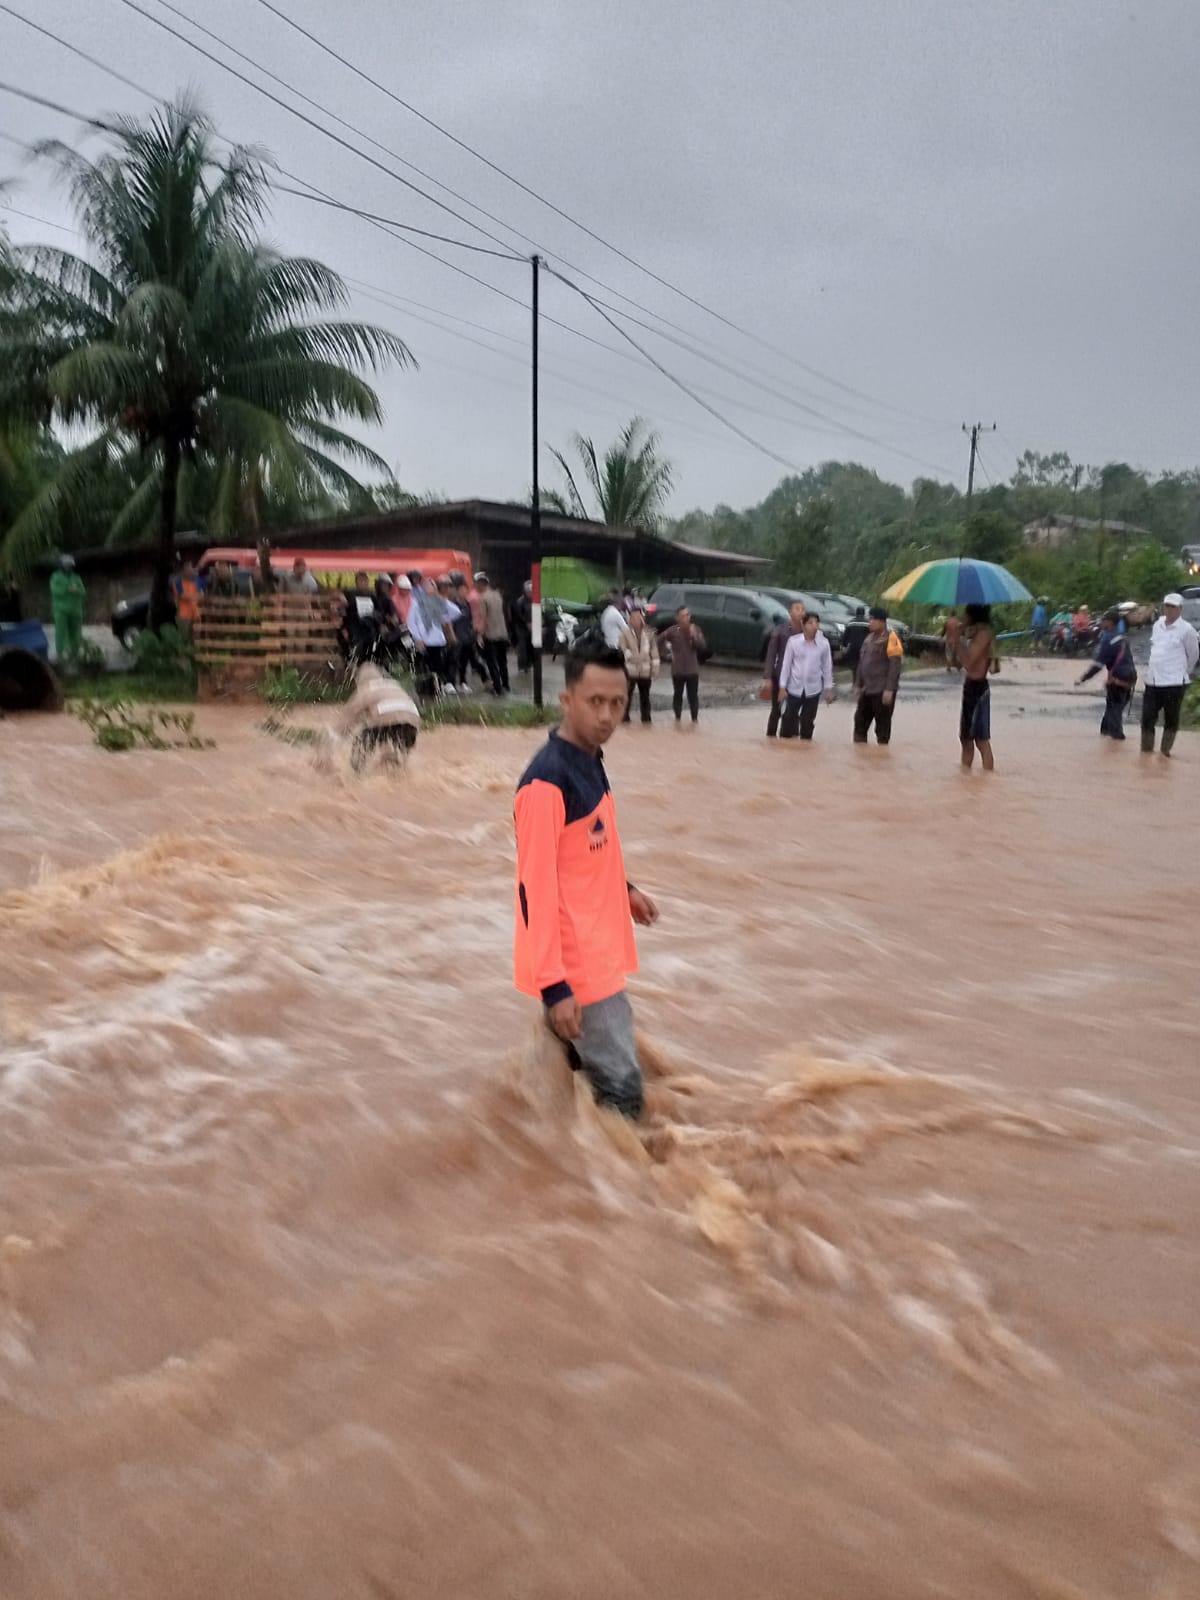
<point x="598" y="836"/>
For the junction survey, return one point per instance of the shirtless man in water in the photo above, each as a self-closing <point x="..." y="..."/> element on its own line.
<point x="975" y="654"/>
<point x="575" y="908"/>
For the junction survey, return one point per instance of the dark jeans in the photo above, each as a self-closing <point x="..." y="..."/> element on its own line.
<point x="776" y="710"/>
<point x="430" y="666"/>
<point x="643" y="688"/>
<point x="1116" y="700"/>
<point x="800" y="716"/>
<point x="871" y="709"/>
<point x="1168" y="699"/>
<point x="692" y="684"/>
<point x="495" y="658"/>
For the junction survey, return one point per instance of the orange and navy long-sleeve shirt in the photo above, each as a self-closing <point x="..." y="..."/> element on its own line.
<point x="574" y="933"/>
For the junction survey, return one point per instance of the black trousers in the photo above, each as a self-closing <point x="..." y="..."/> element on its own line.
<point x="692" y="684"/>
<point x="776" y="710"/>
<point x="642" y="686"/>
<point x="871" y="709"/>
<point x="800" y="716"/>
<point x="430" y="667"/>
<point x="495" y="658"/>
<point x="1167" y="699"/>
<point x="1116" y="699"/>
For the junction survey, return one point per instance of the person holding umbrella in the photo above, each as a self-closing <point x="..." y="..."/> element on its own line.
<point x="975" y="658"/>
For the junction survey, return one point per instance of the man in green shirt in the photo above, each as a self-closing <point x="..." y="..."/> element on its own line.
<point x="67" y="595"/>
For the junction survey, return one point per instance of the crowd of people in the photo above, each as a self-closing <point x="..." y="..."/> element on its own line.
<point x="447" y="628"/>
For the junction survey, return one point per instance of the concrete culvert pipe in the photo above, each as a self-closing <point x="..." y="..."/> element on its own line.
<point x="27" y="683"/>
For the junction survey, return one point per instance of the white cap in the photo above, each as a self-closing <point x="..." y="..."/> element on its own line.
<point x="402" y="582"/>
<point x="1172" y="599"/>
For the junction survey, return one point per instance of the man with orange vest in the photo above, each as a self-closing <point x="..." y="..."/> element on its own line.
<point x="186" y="589"/>
<point x="575" y="908"/>
<point x="876" y="678"/>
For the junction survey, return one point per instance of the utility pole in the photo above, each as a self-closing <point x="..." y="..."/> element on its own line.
<point x="974" y="431"/>
<point x="535" y="514"/>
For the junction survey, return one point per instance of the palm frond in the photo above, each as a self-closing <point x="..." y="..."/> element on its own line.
<point x="578" y="508"/>
<point x="39" y="525"/>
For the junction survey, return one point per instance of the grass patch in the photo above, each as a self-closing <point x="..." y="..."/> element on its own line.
<point x="1189" y="716"/>
<point x="287" y="686"/>
<point x="139" y="688"/>
<point x="489" y="713"/>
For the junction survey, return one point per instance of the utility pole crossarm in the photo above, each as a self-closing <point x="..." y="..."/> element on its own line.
<point x="974" y="430"/>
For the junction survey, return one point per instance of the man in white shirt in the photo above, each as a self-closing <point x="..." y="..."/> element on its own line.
<point x="612" y="622"/>
<point x="1174" y="651"/>
<point x="806" y="675"/>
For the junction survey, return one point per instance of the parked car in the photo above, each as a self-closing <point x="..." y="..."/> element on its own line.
<point x="845" y="607"/>
<point x="735" y="622"/>
<point x="831" y="626"/>
<point x="131" y="617"/>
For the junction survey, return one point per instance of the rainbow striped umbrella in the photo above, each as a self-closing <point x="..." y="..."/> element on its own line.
<point x="958" y="582"/>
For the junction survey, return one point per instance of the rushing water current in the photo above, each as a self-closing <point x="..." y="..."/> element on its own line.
<point x="321" y="1278"/>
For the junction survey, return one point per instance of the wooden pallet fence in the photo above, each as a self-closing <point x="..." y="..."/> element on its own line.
<point x="237" y="640"/>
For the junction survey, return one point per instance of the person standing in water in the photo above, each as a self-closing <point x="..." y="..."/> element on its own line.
<point x="575" y="909"/>
<point x="975" y="719"/>
<point x="1174" y="650"/>
<point x="773" y="664"/>
<point x="806" y="675"/>
<point x="686" y="643"/>
<point x="1114" y="656"/>
<point x="876" y="679"/>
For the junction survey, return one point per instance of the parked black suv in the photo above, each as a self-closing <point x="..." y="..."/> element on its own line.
<point x="735" y="622"/>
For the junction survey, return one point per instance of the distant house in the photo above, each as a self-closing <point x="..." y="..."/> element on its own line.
<point x="1051" y="531"/>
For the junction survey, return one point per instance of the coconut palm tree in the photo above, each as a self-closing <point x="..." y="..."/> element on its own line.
<point x="631" y="487"/>
<point x="178" y="338"/>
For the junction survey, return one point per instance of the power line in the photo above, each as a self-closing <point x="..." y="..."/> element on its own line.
<point x="548" y="371"/>
<point x="75" y="49"/>
<point x="311" y="122"/>
<point x="389" y="224"/>
<point x="371" y="216"/>
<point x="342" y="122"/>
<point x="666" y="283"/>
<point x="403" y="303"/>
<point x="326" y="111"/>
<point x="777" y="394"/>
<point x="678" y="382"/>
<point x="32" y="216"/>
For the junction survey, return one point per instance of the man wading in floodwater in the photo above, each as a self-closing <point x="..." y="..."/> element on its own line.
<point x="574" y="944"/>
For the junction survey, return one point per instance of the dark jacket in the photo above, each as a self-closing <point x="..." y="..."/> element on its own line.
<point x="685" y="649"/>
<point x="879" y="663"/>
<point x="1113" y="656"/>
<point x="776" y="645"/>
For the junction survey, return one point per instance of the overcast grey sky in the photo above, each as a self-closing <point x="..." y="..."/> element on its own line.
<point x="961" y="212"/>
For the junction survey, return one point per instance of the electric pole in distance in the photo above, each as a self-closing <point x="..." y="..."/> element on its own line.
<point x="974" y="431"/>
<point x="535" y="511"/>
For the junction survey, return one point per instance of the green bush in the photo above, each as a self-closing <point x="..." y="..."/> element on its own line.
<point x="1189" y="717"/>
<point x="120" y="725"/>
<point x="165" y="654"/>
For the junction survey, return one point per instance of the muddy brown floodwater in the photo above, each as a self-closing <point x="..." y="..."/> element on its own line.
<point x="319" y="1278"/>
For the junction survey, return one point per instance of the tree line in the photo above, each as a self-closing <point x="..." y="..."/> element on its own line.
<point x="840" y="526"/>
